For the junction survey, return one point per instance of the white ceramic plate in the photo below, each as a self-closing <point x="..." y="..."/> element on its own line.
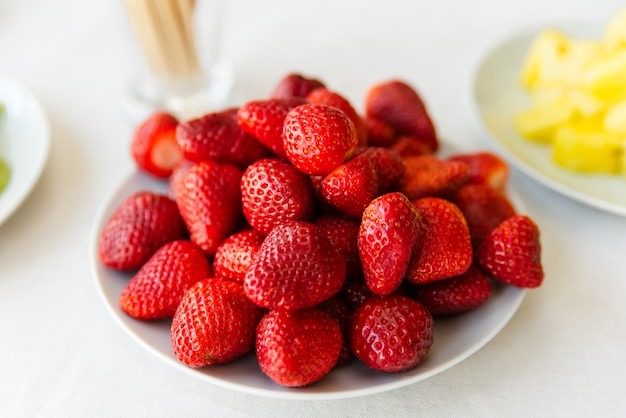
<point x="24" y="143"/>
<point x="455" y="339"/>
<point x="496" y="96"/>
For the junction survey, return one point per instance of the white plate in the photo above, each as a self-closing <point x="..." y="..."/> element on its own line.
<point x="455" y="339"/>
<point x="497" y="95"/>
<point x="24" y="143"/>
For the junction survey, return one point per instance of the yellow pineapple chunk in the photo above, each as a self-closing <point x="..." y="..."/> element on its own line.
<point x="606" y="78"/>
<point x="615" y="119"/>
<point x="586" y="147"/>
<point x="615" y="30"/>
<point x="539" y="122"/>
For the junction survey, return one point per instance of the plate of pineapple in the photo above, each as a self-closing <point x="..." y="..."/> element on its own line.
<point x="552" y="100"/>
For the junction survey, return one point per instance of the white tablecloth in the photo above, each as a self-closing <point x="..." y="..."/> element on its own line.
<point x="61" y="352"/>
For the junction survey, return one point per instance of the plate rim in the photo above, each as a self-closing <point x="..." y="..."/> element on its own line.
<point x="279" y="392"/>
<point x="486" y="52"/>
<point x="40" y="150"/>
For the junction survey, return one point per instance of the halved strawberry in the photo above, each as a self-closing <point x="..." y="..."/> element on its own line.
<point x="399" y="105"/>
<point x="390" y="229"/>
<point x="445" y="249"/>
<point x="214" y="323"/>
<point x="141" y="224"/>
<point x="511" y="253"/>
<point x="159" y="285"/>
<point x="154" y="147"/>
<point x="427" y="175"/>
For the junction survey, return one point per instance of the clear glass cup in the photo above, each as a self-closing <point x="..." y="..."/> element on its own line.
<point x="179" y="41"/>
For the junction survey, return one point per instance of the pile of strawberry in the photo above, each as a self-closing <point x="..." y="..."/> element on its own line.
<point x="299" y="229"/>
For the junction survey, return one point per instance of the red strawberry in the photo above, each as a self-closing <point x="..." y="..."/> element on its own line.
<point x="327" y="97"/>
<point x="264" y="120"/>
<point x="388" y="164"/>
<point x="391" y="333"/>
<point x="218" y="137"/>
<point x="236" y="253"/>
<point x="427" y="175"/>
<point x="484" y="208"/>
<point x="179" y="171"/>
<point x="273" y="192"/>
<point x="338" y="309"/>
<point x="485" y="168"/>
<point x="355" y="292"/>
<point x="209" y="200"/>
<point x="445" y="249"/>
<point x="389" y="231"/>
<point x="296" y="267"/>
<point x="154" y="147"/>
<point x="159" y="285"/>
<point x="215" y="323"/>
<point x="318" y="138"/>
<point x="138" y="227"/>
<point x="455" y="295"/>
<point x="350" y="187"/>
<point x="379" y="132"/>
<point x="399" y="105"/>
<point x="295" y="85"/>
<point x="408" y="146"/>
<point x="342" y="233"/>
<point x="512" y="253"/>
<point x="296" y="349"/>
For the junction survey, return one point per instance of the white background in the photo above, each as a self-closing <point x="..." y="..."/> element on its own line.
<point x="62" y="354"/>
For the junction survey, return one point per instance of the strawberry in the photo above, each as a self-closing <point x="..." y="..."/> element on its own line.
<point x="179" y="171"/>
<point x="350" y="187"/>
<point x="273" y="192"/>
<point x="214" y="323"/>
<point x="511" y="253"/>
<point x="154" y="147"/>
<point x="327" y="97"/>
<point x="408" y="146"/>
<point x="236" y="253"/>
<point x="389" y="231"/>
<point x="338" y="309"/>
<point x="218" y="137"/>
<point x="485" y="168"/>
<point x="296" y="267"/>
<point x="295" y="85"/>
<point x="296" y="349"/>
<point x="318" y="138"/>
<point x="391" y="333"/>
<point x="209" y="201"/>
<point x="483" y="207"/>
<point x="445" y="249"/>
<point x="388" y="165"/>
<point x="355" y="292"/>
<point x="264" y="120"/>
<point x="342" y="233"/>
<point x="141" y="224"/>
<point x="427" y="175"/>
<point x="455" y="295"/>
<point x="379" y="132"/>
<point x="398" y="104"/>
<point x="159" y="285"/>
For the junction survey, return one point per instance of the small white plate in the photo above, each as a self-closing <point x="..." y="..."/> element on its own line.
<point x="455" y="339"/>
<point x="24" y="143"/>
<point x="497" y="95"/>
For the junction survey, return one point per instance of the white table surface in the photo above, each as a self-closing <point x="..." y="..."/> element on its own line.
<point x="61" y="352"/>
